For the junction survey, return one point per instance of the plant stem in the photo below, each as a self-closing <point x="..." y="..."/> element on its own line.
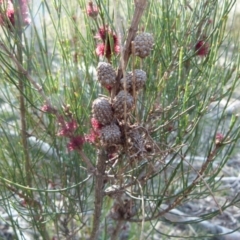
<point x="99" y="193"/>
<point x="21" y="86"/>
<point x="117" y="230"/>
<point x="90" y="167"/>
<point x="139" y="9"/>
<point x="24" y="136"/>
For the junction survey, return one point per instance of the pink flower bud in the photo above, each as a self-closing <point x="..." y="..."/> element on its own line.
<point x="48" y="109"/>
<point x="8" y="13"/>
<point x="92" y="11"/>
<point x="24" y="12"/>
<point x="75" y="143"/>
<point x="202" y="48"/>
<point x="219" y="138"/>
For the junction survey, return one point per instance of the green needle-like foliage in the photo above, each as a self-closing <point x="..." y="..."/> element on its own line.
<point x="63" y="175"/>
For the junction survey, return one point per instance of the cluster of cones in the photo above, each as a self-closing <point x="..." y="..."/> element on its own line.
<point x="111" y="114"/>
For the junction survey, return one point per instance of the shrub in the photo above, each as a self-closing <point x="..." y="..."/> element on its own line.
<point x="105" y="114"/>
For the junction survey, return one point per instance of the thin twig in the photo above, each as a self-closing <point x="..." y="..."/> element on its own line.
<point x="185" y="192"/>
<point x="90" y="166"/>
<point x="36" y="205"/>
<point x="205" y="183"/>
<point x="24" y="72"/>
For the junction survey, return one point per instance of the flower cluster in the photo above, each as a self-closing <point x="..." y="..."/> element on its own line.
<point x="67" y="129"/>
<point x="92" y="11"/>
<point x="95" y="131"/>
<point x="8" y="13"/>
<point x="24" y="12"/>
<point x="202" y="48"/>
<point x="7" y="8"/>
<point x="76" y="142"/>
<point x="109" y="42"/>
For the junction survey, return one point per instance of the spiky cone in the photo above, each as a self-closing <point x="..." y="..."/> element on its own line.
<point x="137" y="78"/>
<point x="102" y="111"/>
<point x="143" y="44"/>
<point x="106" y="74"/>
<point x="122" y="103"/>
<point x="110" y="134"/>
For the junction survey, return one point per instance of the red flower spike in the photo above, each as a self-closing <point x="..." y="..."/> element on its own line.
<point x="101" y="35"/>
<point x="100" y="50"/>
<point x="75" y="143"/>
<point x="67" y="128"/>
<point x="92" y="11"/>
<point x="72" y="125"/>
<point x="202" y="48"/>
<point x="8" y="9"/>
<point x="110" y="42"/>
<point x="9" y="12"/>
<point x="24" y="12"/>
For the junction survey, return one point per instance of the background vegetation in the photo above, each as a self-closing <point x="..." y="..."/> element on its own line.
<point x="54" y="186"/>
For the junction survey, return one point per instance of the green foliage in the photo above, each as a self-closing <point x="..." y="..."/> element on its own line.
<point x="52" y="62"/>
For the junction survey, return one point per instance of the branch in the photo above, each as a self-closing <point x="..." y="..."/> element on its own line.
<point x="117" y="230"/>
<point x="99" y="193"/>
<point x="139" y="9"/>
